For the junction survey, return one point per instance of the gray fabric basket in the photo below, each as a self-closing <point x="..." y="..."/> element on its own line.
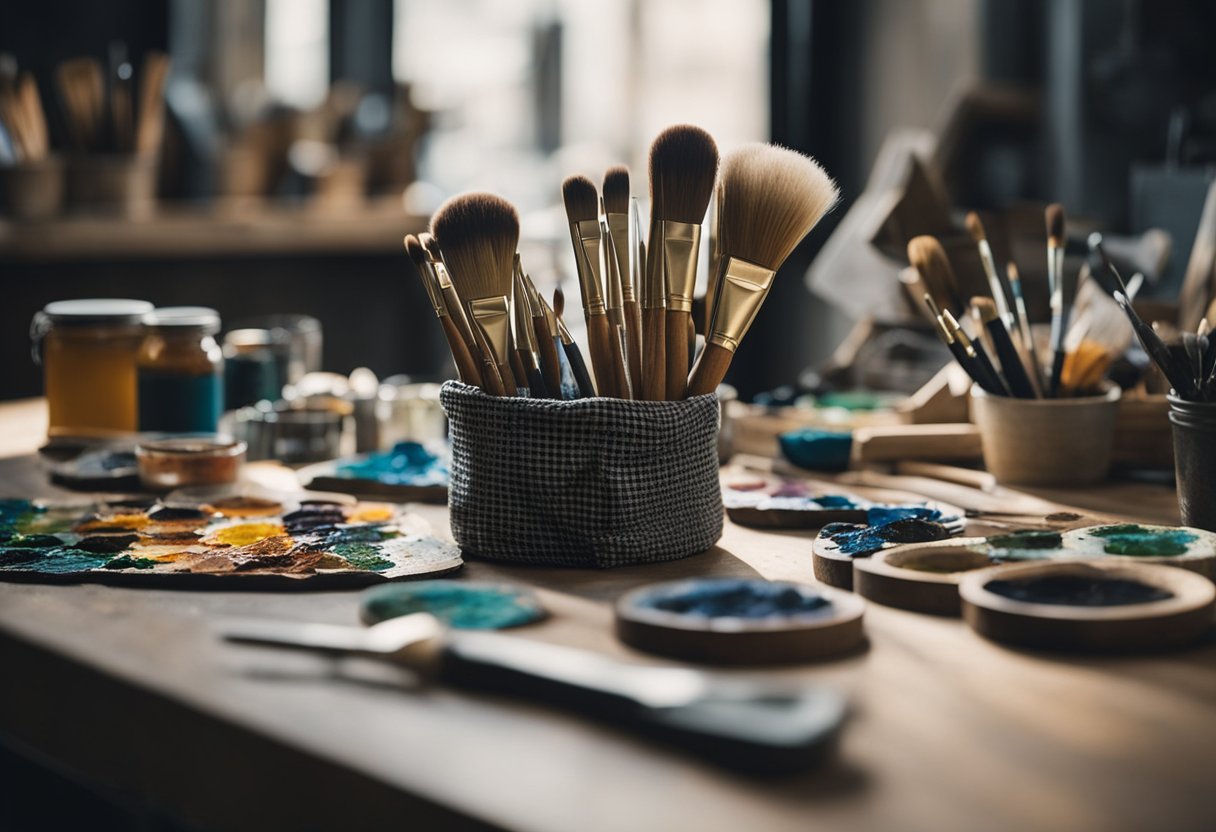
<point x="592" y="482"/>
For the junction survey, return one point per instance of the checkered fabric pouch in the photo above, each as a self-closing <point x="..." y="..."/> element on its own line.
<point x="590" y="482"/>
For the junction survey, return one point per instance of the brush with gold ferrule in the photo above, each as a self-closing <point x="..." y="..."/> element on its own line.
<point x="965" y="356"/>
<point x="715" y="258"/>
<point x="491" y="381"/>
<point x="466" y="365"/>
<point x="683" y="166"/>
<point x="617" y="327"/>
<point x="570" y="347"/>
<point x="567" y="383"/>
<point x="1027" y="336"/>
<point x="546" y="336"/>
<point x="625" y="225"/>
<point x="1061" y="306"/>
<point x="771" y="198"/>
<point x="995" y="383"/>
<point x="478" y="234"/>
<point x="526" y="346"/>
<point x="1012" y="368"/>
<point x="582" y="210"/>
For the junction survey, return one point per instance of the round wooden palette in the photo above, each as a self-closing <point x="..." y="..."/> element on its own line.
<point x="1182" y="617"/>
<point x="922" y="577"/>
<point x="829" y="631"/>
<point x="1196" y="548"/>
<point x="835" y="568"/>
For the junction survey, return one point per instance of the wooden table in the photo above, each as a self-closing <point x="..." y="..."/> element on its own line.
<point x="130" y="690"/>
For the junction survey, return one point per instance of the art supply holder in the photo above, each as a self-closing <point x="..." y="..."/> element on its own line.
<point x="32" y="191"/>
<point x="1194" y="428"/>
<point x="591" y="482"/>
<point x="115" y="183"/>
<point x="1046" y="441"/>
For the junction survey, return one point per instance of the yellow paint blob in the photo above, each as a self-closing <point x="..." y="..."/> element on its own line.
<point x="244" y="534"/>
<point x="372" y="513"/>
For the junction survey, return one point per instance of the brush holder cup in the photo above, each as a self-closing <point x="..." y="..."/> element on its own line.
<point x="113" y="183"/>
<point x="591" y="482"/>
<point x="1194" y="428"/>
<point x="32" y="191"/>
<point x="1046" y="441"/>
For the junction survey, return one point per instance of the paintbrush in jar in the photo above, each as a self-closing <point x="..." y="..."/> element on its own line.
<point x="623" y="224"/>
<point x="1063" y="290"/>
<point x="1027" y="335"/>
<point x="960" y="347"/>
<point x="570" y="347"/>
<point x="683" y="167"/>
<point x="82" y="92"/>
<point x="466" y="364"/>
<point x="478" y="234"/>
<point x="526" y="347"/>
<point x="487" y="370"/>
<point x="582" y="211"/>
<point x="615" y="304"/>
<point x="546" y="336"/>
<point x="771" y="199"/>
<point x="986" y="315"/>
<point x="996" y="288"/>
<point x="150" y="121"/>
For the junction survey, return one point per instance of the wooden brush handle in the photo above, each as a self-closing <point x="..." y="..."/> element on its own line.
<point x="518" y="369"/>
<point x="466" y="365"/>
<point x="550" y="364"/>
<point x="709" y="370"/>
<point x="654" y="352"/>
<point x="620" y="368"/>
<point x="510" y="385"/>
<point x="633" y="336"/>
<point x="579" y="367"/>
<point x="491" y="378"/>
<point x="600" y="344"/>
<point x="678" y="323"/>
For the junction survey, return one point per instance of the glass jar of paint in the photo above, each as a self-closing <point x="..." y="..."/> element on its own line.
<point x="252" y="366"/>
<point x="88" y="350"/>
<point x="181" y="371"/>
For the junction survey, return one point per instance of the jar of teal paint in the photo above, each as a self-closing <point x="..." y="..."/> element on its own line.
<point x="180" y="371"/>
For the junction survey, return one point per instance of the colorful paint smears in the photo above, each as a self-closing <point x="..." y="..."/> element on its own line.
<point x="464" y="606"/>
<point x="406" y="463"/>
<point x="373" y="539"/>
<point x="1141" y="541"/>
<point x="861" y="541"/>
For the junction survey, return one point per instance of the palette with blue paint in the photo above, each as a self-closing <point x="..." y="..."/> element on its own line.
<point x="740" y="621"/>
<point x="236" y="542"/>
<point x="408" y="472"/>
<point x="762" y="502"/>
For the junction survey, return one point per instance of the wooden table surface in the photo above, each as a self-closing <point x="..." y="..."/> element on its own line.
<point x="131" y="690"/>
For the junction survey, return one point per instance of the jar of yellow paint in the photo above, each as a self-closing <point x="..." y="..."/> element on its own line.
<point x="88" y="350"/>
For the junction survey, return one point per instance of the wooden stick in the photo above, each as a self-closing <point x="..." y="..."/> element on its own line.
<point x="678" y="323"/>
<point x="466" y="366"/>
<point x="710" y="369"/>
<point x="599" y="342"/>
<point x="654" y="351"/>
<point x="633" y="332"/>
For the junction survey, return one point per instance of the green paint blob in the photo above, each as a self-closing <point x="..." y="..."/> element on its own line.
<point x="1136" y="540"/>
<point x="129" y="562"/>
<point x="364" y="556"/>
<point x="62" y="561"/>
<point x="1027" y="539"/>
<point x="465" y="606"/>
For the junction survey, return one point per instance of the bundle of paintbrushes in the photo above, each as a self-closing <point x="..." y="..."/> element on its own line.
<point x="110" y="110"/>
<point x="1000" y="354"/>
<point x="636" y="292"/>
<point x="23" y="132"/>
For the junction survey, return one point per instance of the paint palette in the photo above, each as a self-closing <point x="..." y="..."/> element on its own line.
<point x="1182" y="546"/>
<point x="840" y="545"/>
<point x="738" y="621"/>
<point x="238" y="541"/>
<point x="408" y="473"/>
<point x="1097" y="605"/>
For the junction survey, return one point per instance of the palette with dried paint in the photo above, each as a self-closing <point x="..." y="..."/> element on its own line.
<point x="236" y="542"/>
<point x="740" y="621"/>
<point x="770" y="503"/>
<point x="1193" y="549"/>
<point x="407" y="472"/>
<point x="840" y="544"/>
<point x="1097" y="605"/>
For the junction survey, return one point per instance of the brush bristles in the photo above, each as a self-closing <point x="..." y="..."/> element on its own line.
<point x="559" y="302"/>
<point x="771" y="197"/>
<point x="975" y="227"/>
<point x="683" y="167"/>
<point x="431" y="246"/>
<point x="582" y="201"/>
<point x="616" y="190"/>
<point x="479" y="234"/>
<point x="1054" y="215"/>
<point x="929" y="259"/>
<point x="985" y="308"/>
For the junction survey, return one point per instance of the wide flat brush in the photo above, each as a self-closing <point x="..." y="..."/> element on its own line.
<point x="1011" y="361"/>
<point x="771" y="199"/>
<point x="526" y="346"/>
<point x="582" y="210"/>
<point x="625" y="227"/>
<point x="570" y="347"/>
<point x="547" y="339"/>
<point x="491" y="381"/>
<point x="466" y="365"/>
<point x="683" y="166"/>
<point x="478" y="234"/>
<point x="1061" y="297"/>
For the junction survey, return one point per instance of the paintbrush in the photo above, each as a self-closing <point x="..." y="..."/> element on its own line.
<point x="22" y="116"/>
<point x="961" y="348"/>
<point x="929" y="259"/>
<point x="150" y="121"/>
<point x="996" y="383"/>
<point x="996" y="287"/>
<point x="1084" y="368"/>
<point x="1027" y="335"/>
<point x="771" y="199"/>
<point x="624" y="223"/>
<point x="615" y="304"/>
<point x="683" y="164"/>
<point x="1063" y="291"/>
<point x="582" y="210"/>
<point x="82" y="92"/>
<point x="478" y="234"/>
<point x="487" y="370"/>
<point x="526" y="346"/>
<point x="573" y="354"/>
<point x="985" y="310"/>
<point x="466" y="364"/>
<point x="546" y="337"/>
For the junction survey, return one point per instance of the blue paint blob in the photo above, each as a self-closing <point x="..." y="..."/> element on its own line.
<point x="735" y="598"/>
<point x="861" y="541"/>
<point x="817" y="450"/>
<point x="407" y="463"/>
<point x="1078" y="591"/>
<point x="882" y="515"/>
<point x="464" y="606"/>
<point x="836" y="501"/>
